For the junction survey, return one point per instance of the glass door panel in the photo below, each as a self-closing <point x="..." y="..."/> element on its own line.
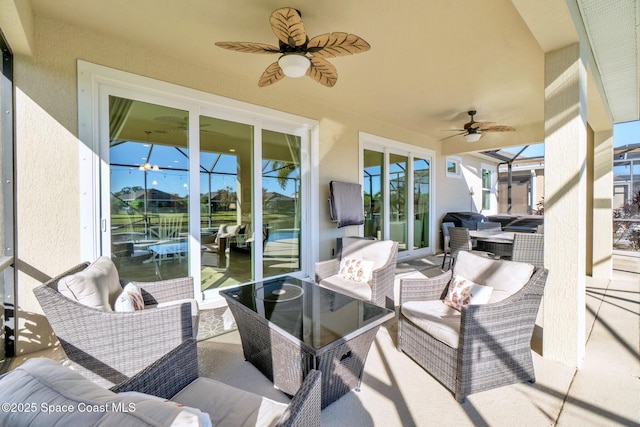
<point x="149" y="186"/>
<point x="226" y="214"/>
<point x="373" y="193"/>
<point x="281" y="210"/>
<point x="398" y="200"/>
<point x="421" y="177"/>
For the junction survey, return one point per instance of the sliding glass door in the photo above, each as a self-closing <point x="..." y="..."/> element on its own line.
<point x="148" y="187"/>
<point x="226" y="208"/>
<point x="372" y="182"/>
<point x="421" y="202"/>
<point x="246" y="221"/>
<point x="398" y="214"/>
<point x="397" y="192"/>
<point x="281" y="207"/>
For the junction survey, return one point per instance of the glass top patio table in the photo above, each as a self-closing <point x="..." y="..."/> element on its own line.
<point x="315" y="316"/>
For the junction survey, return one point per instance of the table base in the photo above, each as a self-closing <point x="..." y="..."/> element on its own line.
<point x="497" y="248"/>
<point x="286" y="364"/>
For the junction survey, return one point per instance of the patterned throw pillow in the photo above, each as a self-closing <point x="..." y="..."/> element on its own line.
<point x="130" y="299"/>
<point x="464" y="292"/>
<point x="356" y="269"/>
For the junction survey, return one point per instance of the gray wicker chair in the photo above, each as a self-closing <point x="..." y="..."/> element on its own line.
<point x="177" y="369"/>
<point x="494" y="340"/>
<point x="528" y="247"/>
<point x="381" y="283"/>
<point x="108" y="347"/>
<point x="446" y="248"/>
<point x="460" y="240"/>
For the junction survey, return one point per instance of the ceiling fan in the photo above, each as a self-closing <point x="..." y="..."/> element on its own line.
<point x="299" y="55"/>
<point x="473" y="131"/>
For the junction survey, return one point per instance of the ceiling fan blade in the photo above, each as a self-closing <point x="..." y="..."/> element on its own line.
<point x="323" y="72"/>
<point x="288" y="27"/>
<point x="451" y="136"/>
<point x="484" y="125"/>
<point x="248" y="47"/>
<point x="272" y="74"/>
<point x="499" y="128"/>
<point x="454" y="130"/>
<point x="336" y="44"/>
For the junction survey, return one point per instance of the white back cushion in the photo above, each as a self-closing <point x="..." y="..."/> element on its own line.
<point x="43" y="381"/>
<point x="505" y="277"/>
<point x="377" y="251"/>
<point x="358" y="290"/>
<point x="96" y="286"/>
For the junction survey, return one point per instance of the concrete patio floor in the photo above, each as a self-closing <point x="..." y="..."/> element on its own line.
<point x="395" y="391"/>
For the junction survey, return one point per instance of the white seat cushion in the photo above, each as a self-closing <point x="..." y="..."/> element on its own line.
<point x="96" y="286"/>
<point x="358" y="290"/>
<point x="505" y="277"/>
<point x="435" y="318"/>
<point x="229" y="406"/>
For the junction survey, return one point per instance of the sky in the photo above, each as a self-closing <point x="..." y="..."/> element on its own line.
<point x="175" y="182"/>
<point x="626" y="133"/>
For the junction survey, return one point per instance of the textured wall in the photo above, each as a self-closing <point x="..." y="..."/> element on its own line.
<point x="565" y="205"/>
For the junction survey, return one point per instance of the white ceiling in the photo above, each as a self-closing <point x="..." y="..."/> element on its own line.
<point x="613" y="31"/>
<point x="429" y="63"/>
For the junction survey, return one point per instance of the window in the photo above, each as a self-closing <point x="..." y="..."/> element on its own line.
<point x="453" y="167"/>
<point x="488" y="181"/>
<point x="486" y="189"/>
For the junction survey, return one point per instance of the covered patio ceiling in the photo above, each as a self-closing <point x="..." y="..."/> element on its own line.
<point x="429" y="63"/>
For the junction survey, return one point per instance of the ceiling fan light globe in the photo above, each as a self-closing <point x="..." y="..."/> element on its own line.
<point x="294" y="65"/>
<point x="472" y="137"/>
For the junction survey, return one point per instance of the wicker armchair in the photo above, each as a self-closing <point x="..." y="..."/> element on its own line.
<point x="482" y="346"/>
<point x="378" y="290"/>
<point x="108" y="347"/>
<point x="175" y="371"/>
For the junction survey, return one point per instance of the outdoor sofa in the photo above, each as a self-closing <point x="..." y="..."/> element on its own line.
<point x="41" y="392"/>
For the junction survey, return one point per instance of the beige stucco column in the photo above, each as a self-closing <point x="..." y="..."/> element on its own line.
<point x="565" y="205"/>
<point x="602" y="205"/>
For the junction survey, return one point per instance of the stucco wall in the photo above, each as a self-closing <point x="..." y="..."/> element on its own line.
<point x="46" y="105"/>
